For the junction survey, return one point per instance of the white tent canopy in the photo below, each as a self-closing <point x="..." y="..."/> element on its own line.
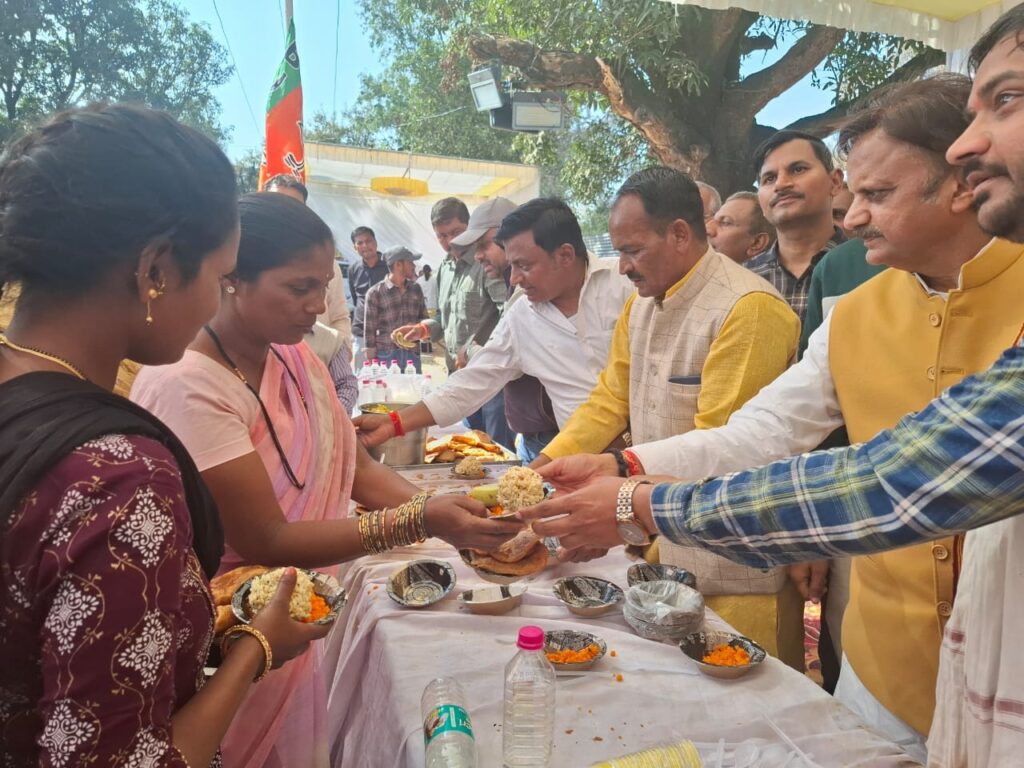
<point x="339" y="180"/>
<point x="949" y="25"/>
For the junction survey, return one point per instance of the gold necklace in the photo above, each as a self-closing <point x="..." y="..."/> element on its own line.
<point x="4" y="341"/>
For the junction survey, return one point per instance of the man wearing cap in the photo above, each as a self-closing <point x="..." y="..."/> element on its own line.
<point x="395" y="301"/>
<point x="469" y="302"/>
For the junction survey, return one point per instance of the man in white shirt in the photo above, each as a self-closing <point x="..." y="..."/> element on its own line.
<point x="560" y="334"/>
<point x="429" y="287"/>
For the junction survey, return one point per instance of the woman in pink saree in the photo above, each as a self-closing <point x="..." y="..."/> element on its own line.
<point x="258" y="413"/>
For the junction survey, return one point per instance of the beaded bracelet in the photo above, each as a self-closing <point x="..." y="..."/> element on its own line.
<point x="248" y="629"/>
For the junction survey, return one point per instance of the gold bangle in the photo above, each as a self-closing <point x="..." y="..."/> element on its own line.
<point x="364" y="531"/>
<point x="248" y="629"/>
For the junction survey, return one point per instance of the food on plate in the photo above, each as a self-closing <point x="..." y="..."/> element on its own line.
<point x="400" y="340"/>
<point x="519" y="556"/>
<point x="570" y="656"/>
<point x="224" y="620"/>
<point x="224" y="587"/>
<point x="470" y="467"/>
<point x="485" y="494"/>
<point x="476" y="444"/>
<point x="726" y="655"/>
<point x="375" y="408"/>
<point x="519" y="488"/>
<point x="263" y="587"/>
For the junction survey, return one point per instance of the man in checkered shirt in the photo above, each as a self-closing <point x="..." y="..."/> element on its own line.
<point x="796" y="180"/>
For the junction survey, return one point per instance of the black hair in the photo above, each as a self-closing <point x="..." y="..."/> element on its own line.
<point x="1010" y="23"/>
<point x="362" y="231"/>
<point x="667" y="195"/>
<point x="89" y="189"/>
<point x="448" y="209"/>
<point x="286" y="181"/>
<point x="779" y="138"/>
<point x="550" y="220"/>
<point x="928" y="114"/>
<point x="275" y="229"/>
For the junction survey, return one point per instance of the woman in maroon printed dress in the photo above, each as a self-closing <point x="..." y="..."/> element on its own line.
<point x="118" y="223"/>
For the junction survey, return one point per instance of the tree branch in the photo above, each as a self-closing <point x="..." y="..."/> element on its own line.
<point x="756" y="90"/>
<point x="629" y="97"/>
<point x="546" y="69"/>
<point x="826" y="122"/>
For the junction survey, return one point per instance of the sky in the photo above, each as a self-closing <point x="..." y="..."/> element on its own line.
<point x="254" y="32"/>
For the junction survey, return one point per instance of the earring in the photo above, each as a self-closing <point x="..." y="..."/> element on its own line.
<point x="153" y="294"/>
<point x="230" y="289"/>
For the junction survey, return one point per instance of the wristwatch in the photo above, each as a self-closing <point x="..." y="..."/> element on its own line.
<point x="630" y="529"/>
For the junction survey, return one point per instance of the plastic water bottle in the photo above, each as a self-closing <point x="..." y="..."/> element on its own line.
<point x="426" y="385"/>
<point x="447" y="730"/>
<point x="393" y="369"/>
<point x="410" y="369"/>
<point x="365" y="393"/>
<point x="529" y="723"/>
<point x="381" y="394"/>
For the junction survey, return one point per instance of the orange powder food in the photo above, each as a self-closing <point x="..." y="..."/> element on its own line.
<point x="569" y="656"/>
<point x="318" y="609"/>
<point x="727" y="656"/>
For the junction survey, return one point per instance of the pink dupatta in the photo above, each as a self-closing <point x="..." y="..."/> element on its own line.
<point x="283" y="720"/>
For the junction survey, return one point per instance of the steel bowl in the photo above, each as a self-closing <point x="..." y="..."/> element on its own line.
<point x="493" y="601"/>
<point x="641" y="572"/>
<point x="663" y="610"/>
<point x="587" y="596"/>
<point x="398" y="451"/>
<point x="695" y="646"/>
<point x="421" y="583"/>
<point x="324" y="585"/>
<point x="571" y="639"/>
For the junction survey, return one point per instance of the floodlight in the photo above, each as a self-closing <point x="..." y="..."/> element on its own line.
<point x="538" y="111"/>
<point x="485" y="85"/>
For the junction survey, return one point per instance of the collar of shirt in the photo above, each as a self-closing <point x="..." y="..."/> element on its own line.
<point x="389" y="284"/>
<point x="773" y="252"/>
<point x="675" y="288"/>
<point x="987" y="264"/>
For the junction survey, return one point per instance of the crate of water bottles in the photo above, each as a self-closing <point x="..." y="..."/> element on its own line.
<point x="381" y="381"/>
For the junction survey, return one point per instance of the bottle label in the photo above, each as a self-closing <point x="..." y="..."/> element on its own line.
<point x="447" y="717"/>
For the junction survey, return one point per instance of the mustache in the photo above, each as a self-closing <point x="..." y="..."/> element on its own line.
<point x="865" y="233"/>
<point x="989" y="169"/>
<point x="786" y="196"/>
<point x="634" y="276"/>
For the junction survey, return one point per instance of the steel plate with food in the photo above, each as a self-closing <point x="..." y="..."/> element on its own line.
<point x="474" y="443"/>
<point x="316" y="599"/>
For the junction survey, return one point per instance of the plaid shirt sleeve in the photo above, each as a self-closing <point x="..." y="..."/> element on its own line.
<point x="956" y="465"/>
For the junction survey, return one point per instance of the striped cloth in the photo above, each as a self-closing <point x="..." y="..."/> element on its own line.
<point x="957" y="464"/>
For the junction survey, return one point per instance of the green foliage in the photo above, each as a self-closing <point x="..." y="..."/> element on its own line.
<point x="422" y="103"/>
<point x="58" y="53"/>
<point x="247" y="171"/>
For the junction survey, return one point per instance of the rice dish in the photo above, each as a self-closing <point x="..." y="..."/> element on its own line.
<point x="262" y="589"/>
<point x="470" y="467"/>
<point x="520" y="487"/>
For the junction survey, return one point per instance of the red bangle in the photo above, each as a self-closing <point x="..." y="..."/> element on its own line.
<point x="397" y="421"/>
<point x="634" y="467"/>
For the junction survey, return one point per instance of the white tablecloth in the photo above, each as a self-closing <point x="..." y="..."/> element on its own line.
<point x="383" y="656"/>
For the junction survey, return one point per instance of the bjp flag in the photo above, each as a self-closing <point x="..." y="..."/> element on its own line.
<point x="283" y="152"/>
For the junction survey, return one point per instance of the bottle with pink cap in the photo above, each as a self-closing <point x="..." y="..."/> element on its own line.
<point x="529" y="724"/>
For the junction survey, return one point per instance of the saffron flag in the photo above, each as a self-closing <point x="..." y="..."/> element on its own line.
<point x="283" y="152"/>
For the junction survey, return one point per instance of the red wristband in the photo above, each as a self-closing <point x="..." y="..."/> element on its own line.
<point x="397" y="421"/>
<point x="634" y="467"/>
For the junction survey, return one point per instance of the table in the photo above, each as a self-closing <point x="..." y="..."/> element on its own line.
<point x="383" y="655"/>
